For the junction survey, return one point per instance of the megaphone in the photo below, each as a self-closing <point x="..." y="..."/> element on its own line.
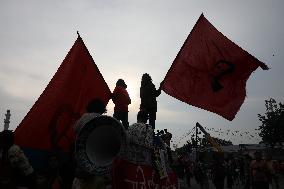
<point x="98" y="143"/>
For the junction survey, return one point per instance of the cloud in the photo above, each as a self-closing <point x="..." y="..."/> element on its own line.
<point x="17" y="105"/>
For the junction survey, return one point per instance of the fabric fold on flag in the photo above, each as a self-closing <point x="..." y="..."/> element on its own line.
<point x="49" y="123"/>
<point x="210" y="71"/>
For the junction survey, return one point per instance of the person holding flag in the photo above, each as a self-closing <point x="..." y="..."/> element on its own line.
<point x="148" y="95"/>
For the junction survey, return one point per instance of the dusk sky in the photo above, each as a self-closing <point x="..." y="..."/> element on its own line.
<point x="127" y="38"/>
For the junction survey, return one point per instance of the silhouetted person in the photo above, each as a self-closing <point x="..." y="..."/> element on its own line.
<point x="95" y="108"/>
<point x="259" y="172"/>
<point x="218" y="171"/>
<point x="121" y="100"/>
<point x="83" y="179"/>
<point x="23" y="172"/>
<point x="6" y="174"/>
<point x="247" y="161"/>
<point x="166" y="137"/>
<point x="271" y="171"/>
<point x="53" y="175"/>
<point x="142" y="117"/>
<point x="140" y="132"/>
<point x="179" y="169"/>
<point x="230" y="172"/>
<point x="148" y="95"/>
<point x="200" y="173"/>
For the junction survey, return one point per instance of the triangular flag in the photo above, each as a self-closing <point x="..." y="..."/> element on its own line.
<point x="49" y="123"/>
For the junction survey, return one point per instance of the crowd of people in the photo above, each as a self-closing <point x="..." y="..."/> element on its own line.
<point x="16" y="170"/>
<point x="241" y="171"/>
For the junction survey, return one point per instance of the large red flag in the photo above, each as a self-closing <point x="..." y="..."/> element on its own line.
<point x="49" y="123"/>
<point x="210" y="71"/>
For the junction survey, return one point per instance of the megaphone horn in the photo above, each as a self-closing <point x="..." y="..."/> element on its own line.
<point x="98" y="143"/>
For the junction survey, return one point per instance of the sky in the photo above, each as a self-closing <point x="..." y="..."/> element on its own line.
<point x="127" y="38"/>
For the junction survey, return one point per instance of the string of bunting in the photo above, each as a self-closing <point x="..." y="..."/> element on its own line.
<point x="233" y="134"/>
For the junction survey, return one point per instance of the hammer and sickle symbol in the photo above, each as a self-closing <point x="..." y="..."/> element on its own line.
<point x="63" y="111"/>
<point x="221" y="68"/>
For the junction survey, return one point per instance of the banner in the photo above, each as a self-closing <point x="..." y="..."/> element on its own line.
<point x="127" y="175"/>
<point x="210" y="71"/>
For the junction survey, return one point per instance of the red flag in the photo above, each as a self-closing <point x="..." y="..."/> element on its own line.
<point x="49" y="123"/>
<point x="210" y="71"/>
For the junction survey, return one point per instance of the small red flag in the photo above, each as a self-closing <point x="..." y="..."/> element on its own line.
<point x="210" y="71"/>
<point x="49" y="123"/>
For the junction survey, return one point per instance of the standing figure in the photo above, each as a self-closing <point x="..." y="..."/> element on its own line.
<point x="218" y="171"/>
<point x="200" y="173"/>
<point x="95" y="108"/>
<point x="247" y="162"/>
<point x="272" y="172"/>
<point x="259" y="172"/>
<point x="7" y="179"/>
<point x="23" y="172"/>
<point x="141" y="133"/>
<point x="148" y="95"/>
<point x="121" y="100"/>
<point x="189" y="172"/>
<point x="230" y="172"/>
<point x="179" y="169"/>
<point x="84" y="179"/>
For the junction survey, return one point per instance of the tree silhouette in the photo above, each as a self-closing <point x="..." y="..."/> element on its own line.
<point x="272" y="128"/>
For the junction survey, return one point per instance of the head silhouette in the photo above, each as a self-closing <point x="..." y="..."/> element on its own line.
<point x="7" y="139"/>
<point x="146" y="79"/>
<point x="121" y="83"/>
<point x="96" y="106"/>
<point x="258" y="155"/>
<point x="142" y="116"/>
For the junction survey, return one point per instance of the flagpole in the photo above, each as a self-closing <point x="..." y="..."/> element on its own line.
<point x="196" y="144"/>
<point x="78" y="34"/>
